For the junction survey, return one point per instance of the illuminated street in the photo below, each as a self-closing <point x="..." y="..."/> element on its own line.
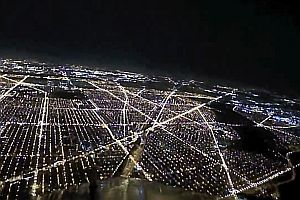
<point x="61" y="127"/>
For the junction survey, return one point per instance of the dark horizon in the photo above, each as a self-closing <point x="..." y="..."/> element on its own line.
<point x="255" y="43"/>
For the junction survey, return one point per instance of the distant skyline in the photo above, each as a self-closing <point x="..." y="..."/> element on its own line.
<point x="252" y="42"/>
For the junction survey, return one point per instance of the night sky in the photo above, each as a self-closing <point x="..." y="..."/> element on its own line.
<point x="250" y="42"/>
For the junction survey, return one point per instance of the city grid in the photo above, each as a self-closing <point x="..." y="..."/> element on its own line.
<point x="58" y="132"/>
